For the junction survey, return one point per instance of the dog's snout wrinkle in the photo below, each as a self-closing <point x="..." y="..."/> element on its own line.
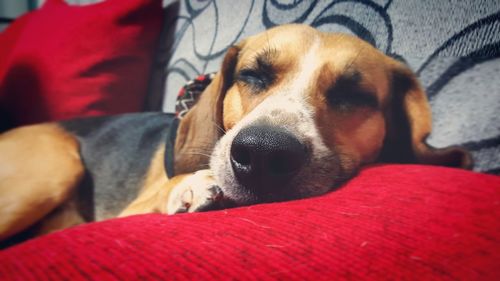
<point x="264" y="157"/>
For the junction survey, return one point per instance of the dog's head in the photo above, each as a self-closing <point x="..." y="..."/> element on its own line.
<point x="294" y="112"/>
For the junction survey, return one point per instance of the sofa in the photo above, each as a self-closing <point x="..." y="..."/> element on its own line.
<point x="392" y="221"/>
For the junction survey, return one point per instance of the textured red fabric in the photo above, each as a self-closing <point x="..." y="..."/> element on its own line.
<point x="64" y="61"/>
<point x="394" y="222"/>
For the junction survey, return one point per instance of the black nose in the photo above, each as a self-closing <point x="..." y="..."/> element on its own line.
<point x="264" y="158"/>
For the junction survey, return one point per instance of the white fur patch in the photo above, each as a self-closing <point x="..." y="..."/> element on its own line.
<point x="308" y="67"/>
<point x="191" y="193"/>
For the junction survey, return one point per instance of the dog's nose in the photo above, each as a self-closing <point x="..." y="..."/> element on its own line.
<point x="264" y="158"/>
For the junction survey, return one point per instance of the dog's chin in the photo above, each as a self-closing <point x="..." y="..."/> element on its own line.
<point x="318" y="177"/>
<point x="239" y="195"/>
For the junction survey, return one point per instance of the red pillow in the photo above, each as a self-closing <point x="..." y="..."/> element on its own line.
<point x="65" y="61"/>
<point x="393" y="222"/>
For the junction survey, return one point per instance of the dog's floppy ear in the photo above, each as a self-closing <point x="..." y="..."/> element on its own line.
<point x="201" y="127"/>
<point x="409" y="123"/>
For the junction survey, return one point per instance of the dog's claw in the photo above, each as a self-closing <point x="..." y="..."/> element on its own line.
<point x="214" y="201"/>
<point x="197" y="193"/>
<point x="216" y="193"/>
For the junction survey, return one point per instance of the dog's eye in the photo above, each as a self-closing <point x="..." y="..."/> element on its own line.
<point x="348" y="100"/>
<point x="348" y="94"/>
<point x="253" y="79"/>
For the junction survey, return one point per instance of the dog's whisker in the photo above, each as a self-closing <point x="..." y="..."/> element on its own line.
<point x="197" y="153"/>
<point x="203" y="145"/>
<point x="219" y="127"/>
<point x="200" y="148"/>
<point x="353" y="60"/>
<point x="267" y="38"/>
<point x="203" y="166"/>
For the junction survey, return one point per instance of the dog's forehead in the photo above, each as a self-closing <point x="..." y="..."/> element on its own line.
<point x="290" y="43"/>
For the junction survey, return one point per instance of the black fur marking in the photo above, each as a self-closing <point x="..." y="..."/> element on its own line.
<point x="398" y="145"/>
<point x="347" y="94"/>
<point x="116" y="152"/>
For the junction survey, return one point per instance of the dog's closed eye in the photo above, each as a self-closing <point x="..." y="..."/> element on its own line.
<point x="256" y="79"/>
<point x="261" y="73"/>
<point x="351" y="99"/>
<point x="347" y="94"/>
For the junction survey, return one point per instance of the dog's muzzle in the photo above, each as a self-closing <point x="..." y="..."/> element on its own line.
<point x="265" y="158"/>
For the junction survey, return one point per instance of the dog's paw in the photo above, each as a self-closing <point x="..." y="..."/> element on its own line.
<point x="196" y="193"/>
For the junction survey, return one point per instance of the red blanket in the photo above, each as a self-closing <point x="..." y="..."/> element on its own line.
<point x="390" y="222"/>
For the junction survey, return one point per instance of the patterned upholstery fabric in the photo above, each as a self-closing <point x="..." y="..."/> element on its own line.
<point x="453" y="46"/>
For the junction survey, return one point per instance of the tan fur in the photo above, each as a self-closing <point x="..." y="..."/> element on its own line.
<point x="64" y="216"/>
<point x="39" y="166"/>
<point x="156" y="188"/>
<point x="418" y="113"/>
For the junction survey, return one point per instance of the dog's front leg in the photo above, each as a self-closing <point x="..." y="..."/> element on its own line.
<point x="194" y="192"/>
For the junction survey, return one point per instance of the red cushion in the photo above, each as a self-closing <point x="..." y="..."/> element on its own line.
<point x="391" y="222"/>
<point x="65" y="61"/>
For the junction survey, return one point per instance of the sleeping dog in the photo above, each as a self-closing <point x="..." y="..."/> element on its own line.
<point x="292" y="113"/>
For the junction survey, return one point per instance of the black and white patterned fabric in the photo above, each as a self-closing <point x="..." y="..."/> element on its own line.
<point x="453" y="46"/>
<point x="189" y="94"/>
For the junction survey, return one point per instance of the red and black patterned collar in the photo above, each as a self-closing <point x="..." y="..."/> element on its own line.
<point x="190" y="93"/>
